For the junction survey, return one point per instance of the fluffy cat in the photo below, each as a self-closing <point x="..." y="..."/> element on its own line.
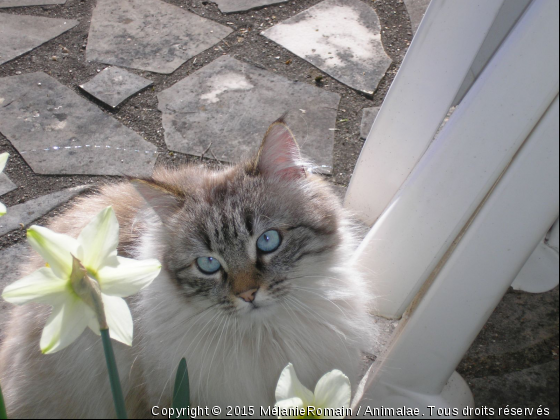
<point x="256" y="274"/>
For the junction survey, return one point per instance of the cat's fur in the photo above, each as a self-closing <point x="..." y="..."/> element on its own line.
<point x="312" y="305"/>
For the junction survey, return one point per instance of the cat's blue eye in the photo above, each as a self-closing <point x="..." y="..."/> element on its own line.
<point x="269" y="241"/>
<point x="208" y="265"/>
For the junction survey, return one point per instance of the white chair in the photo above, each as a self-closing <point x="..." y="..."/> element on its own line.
<point x="454" y="219"/>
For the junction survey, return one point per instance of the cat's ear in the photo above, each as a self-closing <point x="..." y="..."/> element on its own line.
<point x="279" y="154"/>
<point x="160" y="197"/>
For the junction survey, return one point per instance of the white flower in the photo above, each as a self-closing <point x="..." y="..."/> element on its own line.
<point x="3" y="160"/>
<point x="333" y="391"/>
<point x="77" y="269"/>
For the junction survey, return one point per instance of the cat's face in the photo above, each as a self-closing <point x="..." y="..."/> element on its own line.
<point x="247" y="239"/>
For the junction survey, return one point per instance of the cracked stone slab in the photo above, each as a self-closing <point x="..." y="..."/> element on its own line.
<point x="149" y="35"/>
<point x="368" y="118"/>
<point x="6" y="185"/>
<point x="113" y="85"/>
<point x="230" y="6"/>
<point x="416" y="10"/>
<point x="31" y="210"/>
<point x="20" y="33"/>
<point x="227" y="106"/>
<point x="22" y="3"/>
<point x="57" y="131"/>
<point x="340" y="37"/>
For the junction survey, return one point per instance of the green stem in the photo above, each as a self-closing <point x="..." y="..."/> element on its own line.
<point x="3" y="414"/>
<point x="113" y="375"/>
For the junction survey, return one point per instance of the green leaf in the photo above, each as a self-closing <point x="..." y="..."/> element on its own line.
<point x="3" y="414"/>
<point x="181" y="392"/>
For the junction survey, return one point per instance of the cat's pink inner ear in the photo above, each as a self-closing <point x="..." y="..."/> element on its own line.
<point x="163" y="201"/>
<point x="279" y="155"/>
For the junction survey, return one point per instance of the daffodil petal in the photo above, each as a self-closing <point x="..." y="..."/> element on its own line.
<point x="333" y="390"/>
<point x="41" y="286"/>
<point x="289" y="403"/>
<point x="289" y="387"/>
<point x="3" y="160"/>
<point x="55" y="248"/>
<point x="119" y="319"/>
<point x="129" y="277"/>
<point x="65" y="324"/>
<point x="98" y="241"/>
<point x="2" y="209"/>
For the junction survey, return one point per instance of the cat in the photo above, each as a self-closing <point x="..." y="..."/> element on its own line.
<point x="256" y="273"/>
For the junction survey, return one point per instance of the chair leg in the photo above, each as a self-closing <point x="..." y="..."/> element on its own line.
<point x="541" y="271"/>
<point x="448" y="313"/>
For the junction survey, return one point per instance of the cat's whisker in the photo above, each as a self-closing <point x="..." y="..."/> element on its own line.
<point x="315" y="349"/>
<point x="340" y="289"/>
<point x="131" y="367"/>
<point x="205" y="349"/>
<point x="172" y="373"/>
<point x="207" y="332"/>
<point x="325" y="322"/>
<point x="306" y="308"/>
<point x="344" y="313"/>
<point x="226" y="320"/>
<point x="290" y="312"/>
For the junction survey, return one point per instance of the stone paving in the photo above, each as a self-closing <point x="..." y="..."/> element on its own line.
<point x="216" y="105"/>
<point x="31" y="210"/>
<point x="230" y="6"/>
<point x="6" y="185"/>
<point x="229" y="104"/>
<point x="368" y="118"/>
<point x="149" y="35"/>
<point x="9" y="269"/>
<point x="20" y="34"/>
<point x="58" y="132"/>
<point x="22" y="3"/>
<point x="416" y="10"/>
<point x="114" y="85"/>
<point x="342" y="38"/>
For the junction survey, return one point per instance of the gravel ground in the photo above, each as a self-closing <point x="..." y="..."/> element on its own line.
<point x="532" y="344"/>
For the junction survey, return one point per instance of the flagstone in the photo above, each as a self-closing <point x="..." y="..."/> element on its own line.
<point x="26" y="213"/>
<point x="21" y="3"/>
<point x="416" y="10"/>
<point x="340" y="37"/>
<point x="20" y="33"/>
<point x="6" y="185"/>
<point x="10" y="261"/>
<point x="225" y="108"/>
<point x="113" y="85"/>
<point x="230" y="6"/>
<point x="149" y="35"/>
<point x="57" y="131"/>
<point x="368" y="118"/>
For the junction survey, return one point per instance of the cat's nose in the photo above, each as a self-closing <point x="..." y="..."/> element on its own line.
<point x="248" y="295"/>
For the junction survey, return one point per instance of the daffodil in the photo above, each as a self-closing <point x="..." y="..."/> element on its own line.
<point x="330" y="399"/>
<point x="3" y="160"/>
<point x="84" y="281"/>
